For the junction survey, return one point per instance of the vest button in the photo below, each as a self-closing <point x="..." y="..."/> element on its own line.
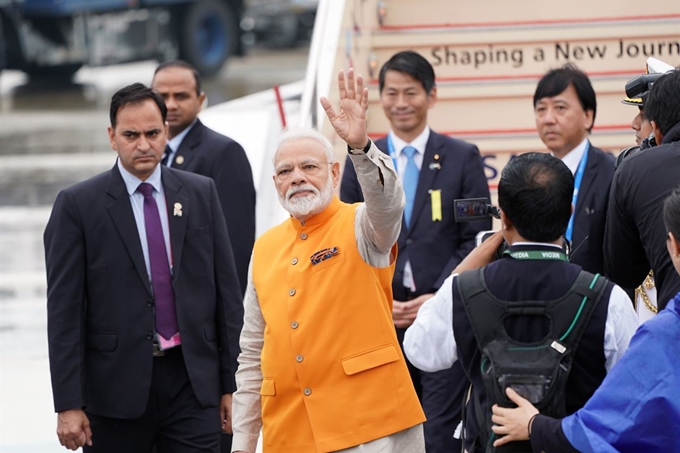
<point x="294" y="261"/>
<point x="409" y="241"/>
<point x="299" y="358"/>
<point x="291" y="292"/>
<point x="303" y="236"/>
<point x="307" y="391"/>
<point x="294" y="324"/>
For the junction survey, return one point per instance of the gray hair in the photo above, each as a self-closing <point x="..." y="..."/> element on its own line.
<point x="307" y="133"/>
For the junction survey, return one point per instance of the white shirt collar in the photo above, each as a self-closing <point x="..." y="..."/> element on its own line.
<point x="573" y="157"/>
<point x="175" y="141"/>
<point x="419" y="143"/>
<point x="541" y="244"/>
<point x="132" y="182"/>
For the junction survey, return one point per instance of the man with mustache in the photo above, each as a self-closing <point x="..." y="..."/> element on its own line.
<point x="144" y="310"/>
<point x="194" y="147"/>
<point x="565" y="108"/>
<point x="435" y="170"/>
<point x="321" y="368"/>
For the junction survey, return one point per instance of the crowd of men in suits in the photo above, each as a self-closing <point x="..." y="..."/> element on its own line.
<point x="147" y="265"/>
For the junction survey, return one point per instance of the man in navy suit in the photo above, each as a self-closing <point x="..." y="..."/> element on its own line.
<point x="435" y="170"/>
<point x="144" y="307"/>
<point x="196" y="148"/>
<point x="565" y="108"/>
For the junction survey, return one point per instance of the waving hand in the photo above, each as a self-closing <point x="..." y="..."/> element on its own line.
<point x="350" y="122"/>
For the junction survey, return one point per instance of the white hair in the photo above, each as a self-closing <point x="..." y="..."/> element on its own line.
<point x="307" y="133"/>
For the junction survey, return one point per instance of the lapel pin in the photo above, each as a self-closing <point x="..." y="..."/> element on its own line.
<point x="435" y="165"/>
<point x="177" y="212"/>
<point x="180" y="161"/>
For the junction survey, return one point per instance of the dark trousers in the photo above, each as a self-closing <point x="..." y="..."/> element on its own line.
<point x="225" y="446"/>
<point x="174" y="421"/>
<point x="441" y="394"/>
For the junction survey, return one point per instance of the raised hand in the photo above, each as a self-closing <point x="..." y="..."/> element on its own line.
<point x="350" y="122"/>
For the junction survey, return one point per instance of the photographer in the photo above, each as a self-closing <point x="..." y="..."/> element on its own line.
<point x="631" y="411"/>
<point x="521" y="296"/>
<point x="634" y="233"/>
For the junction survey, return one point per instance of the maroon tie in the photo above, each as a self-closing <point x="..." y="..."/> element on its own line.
<point x="161" y="280"/>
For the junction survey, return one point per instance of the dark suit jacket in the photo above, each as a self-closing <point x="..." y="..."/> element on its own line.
<point x="211" y="154"/>
<point x="636" y="236"/>
<point x="434" y="248"/>
<point x="591" y="211"/>
<point x="99" y="300"/>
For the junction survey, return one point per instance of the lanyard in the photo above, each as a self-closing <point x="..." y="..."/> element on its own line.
<point x="393" y="154"/>
<point x="577" y="185"/>
<point x="537" y="255"/>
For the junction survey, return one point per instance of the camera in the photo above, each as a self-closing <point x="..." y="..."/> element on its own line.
<point x="639" y="86"/>
<point x="473" y="209"/>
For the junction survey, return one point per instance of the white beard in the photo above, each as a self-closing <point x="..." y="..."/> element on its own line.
<point x="303" y="207"/>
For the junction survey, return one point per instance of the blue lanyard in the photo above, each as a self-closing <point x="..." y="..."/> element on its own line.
<point x="393" y="154"/>
<point x="577" y="185"/>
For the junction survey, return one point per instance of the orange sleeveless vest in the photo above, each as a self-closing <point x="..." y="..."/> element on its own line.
<point x="333" y="373"/>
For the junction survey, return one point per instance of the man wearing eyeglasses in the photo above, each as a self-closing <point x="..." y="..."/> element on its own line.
<point x="321" y="368"/>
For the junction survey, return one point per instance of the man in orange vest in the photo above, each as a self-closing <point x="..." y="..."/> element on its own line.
<point x="321" y="369"/>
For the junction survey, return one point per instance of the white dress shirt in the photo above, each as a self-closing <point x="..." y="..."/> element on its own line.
<point x="137" y="201"/>
<point x="175" y="141"/>
<point x="419" y="143"/>
<point x="430" y="345"/>
<point x="573" y="157"/>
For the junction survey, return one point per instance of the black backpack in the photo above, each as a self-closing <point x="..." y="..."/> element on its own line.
<point x="537" y="371"/>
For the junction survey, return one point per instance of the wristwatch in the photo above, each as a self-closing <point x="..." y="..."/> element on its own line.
<point x="359" y="151"/>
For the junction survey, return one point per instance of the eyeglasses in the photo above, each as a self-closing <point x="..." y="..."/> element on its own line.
<point x="308" y="167"/>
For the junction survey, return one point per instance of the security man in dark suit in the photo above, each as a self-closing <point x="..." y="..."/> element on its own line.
<point x="565" y="108"/>
<point x="435" y="170"/>
<point x="144" y="307"/>
<point x="196" y="148"/>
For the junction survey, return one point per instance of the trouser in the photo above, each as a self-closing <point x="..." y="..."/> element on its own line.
<point x="407" y="441"/>
<point x="174" y="421"/>
<point x="225" y="445"/>
<point x="441" y="394"/>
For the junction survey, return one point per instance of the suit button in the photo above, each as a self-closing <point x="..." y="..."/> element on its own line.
<point x="307" y="391"/>
<point x="294" y="324"/>
<point x="299" y="358"/>
<point x="303" y="236"/>
<point x="409" y="241"/>
<point x="149" y="303"/>
<point x="294" y="261"/>
<point x="291" y="292"/>
<point x="149" y="335"/>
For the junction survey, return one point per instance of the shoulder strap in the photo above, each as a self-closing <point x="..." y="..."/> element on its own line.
<point x="572" y="314"/>
<point x="483" y="310"/>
